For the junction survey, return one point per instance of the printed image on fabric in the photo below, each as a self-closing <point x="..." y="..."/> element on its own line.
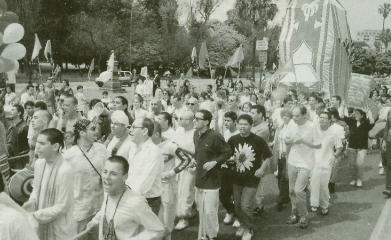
<point x="244" y="157"/>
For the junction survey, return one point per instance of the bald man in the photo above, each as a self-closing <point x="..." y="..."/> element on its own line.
<point x="39" y="122"/>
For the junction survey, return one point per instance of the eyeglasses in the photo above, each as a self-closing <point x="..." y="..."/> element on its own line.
<point x="130" y="127"/>
<point x="188" y="104"/>
<point x="199" y="119"/>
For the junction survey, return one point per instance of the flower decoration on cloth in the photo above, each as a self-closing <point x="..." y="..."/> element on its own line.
<point x="244" y="157"/>
<point x="11" y="32"/>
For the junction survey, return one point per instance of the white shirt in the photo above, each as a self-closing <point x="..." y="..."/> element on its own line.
<point x="145" y="169"/>
<point x="10" y="99"/>
<point x="301" y="155"/>
<point x="14" y="225"/>
<point x="169" y="134"/>
<point x="133" y="220"/>
<point x="324" y="157"/>
<point x="228" y="134"/>
<point x="140" y="113"/>
<point x="168" y="148"/>
<point x="124" y="149"/>
<point x="26" y="97"/>
<point x="87" y="188"/>
<point x="184" y="139"/>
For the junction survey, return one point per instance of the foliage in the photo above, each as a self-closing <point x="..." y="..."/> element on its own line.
<point x="384" y="10"/>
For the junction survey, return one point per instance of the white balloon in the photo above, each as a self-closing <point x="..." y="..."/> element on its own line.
<point x="14" y="51"/>
<point x="13" y="33"/>
<point x="8" y="65"/>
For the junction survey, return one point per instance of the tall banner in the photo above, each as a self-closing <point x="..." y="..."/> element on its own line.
<point x="48" y="51"/>
<point x="316" y="33"/>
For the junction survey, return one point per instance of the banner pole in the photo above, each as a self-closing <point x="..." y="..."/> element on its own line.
<point x="39" y="70"/>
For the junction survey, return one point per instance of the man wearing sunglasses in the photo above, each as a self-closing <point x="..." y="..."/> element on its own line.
<point x="210" y="152"/>
<point x="192" y="104"/>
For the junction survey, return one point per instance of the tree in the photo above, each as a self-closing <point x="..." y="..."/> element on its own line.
<point x="257" y="13"/>
<point x="384" y="10"/>
<point x="385" y="37"/>
<point x="205" y="8"/>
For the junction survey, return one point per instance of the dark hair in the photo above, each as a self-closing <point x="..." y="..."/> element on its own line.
<point x="139" y="97"/>
<point x="79" y="87"/>
<point x="29" y="86"/>
<point x="74" y="99"/>
<point x="54" y="136"/>
<point x="260" y="109"/>
<point x="66" y="82"/>
<point x="41" y="105"/>
<point x="80" y="126"/>
<point x="124" y="101"/>
<point x="157" y="128"/>
<point x="246" y="117"/>
<point x="287" y="99"/>
<point x="149" y="125"/>
<point x="206" y="115"/>
<point x="178" y="96"/>
<point x="333" y="113"/>
<point x="302" y="109"/>
<point x="232" y="115"/>
<point x="105" y="93"/>
<point x="28" y="103"/>
<point x="338" y="98"/>
<point x="93" y="102"/>
<point x="121" y="160"/>
<point x="20" y="110"/>
<point x="167" y="117"/>
<point x="327" y="113"/>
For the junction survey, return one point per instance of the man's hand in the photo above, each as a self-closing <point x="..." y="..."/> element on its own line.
<point x="209" y="165"/>
<point x="167" y="175"/>
<point x="260" y="172"/>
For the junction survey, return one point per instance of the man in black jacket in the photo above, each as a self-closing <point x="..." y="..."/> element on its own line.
<point x="210" y="152"/>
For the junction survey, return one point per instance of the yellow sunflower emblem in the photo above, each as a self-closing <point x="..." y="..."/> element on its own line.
<point x="244" y="157"/>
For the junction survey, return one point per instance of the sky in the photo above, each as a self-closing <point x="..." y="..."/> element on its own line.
<point x="362" y="14"/>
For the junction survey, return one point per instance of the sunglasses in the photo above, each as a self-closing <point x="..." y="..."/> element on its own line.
<point x="200" y="119"/>
<point x="192" y="104"/>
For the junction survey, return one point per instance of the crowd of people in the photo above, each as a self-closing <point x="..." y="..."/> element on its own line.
<point x="140" y="166"/>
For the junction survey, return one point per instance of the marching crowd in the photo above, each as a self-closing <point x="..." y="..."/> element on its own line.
<point x="110" y="168"/>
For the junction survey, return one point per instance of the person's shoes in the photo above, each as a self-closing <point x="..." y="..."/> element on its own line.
<point x="353" y="183"/>
<point x="236" y="223"/>
<point x="303" y="223"/>
<point x="239" y="232"/>
<point x="381" y="171"/>
<point x="248" y="234"/>
<point x="324" y="211"/>
<point x="359" y="183"/>
<point x="259" y="211"/>
<point x="228" y="219"/>
<point x="293" y="219"/>
<point x="314" y="209"/>
<point x="182" y="224"/>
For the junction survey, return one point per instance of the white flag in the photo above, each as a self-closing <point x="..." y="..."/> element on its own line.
<point x="110" y="63"/>
<point x="37" y="48"/>
<point x="48" y="51"/>
<point x="144" y="72"/>
<point x="194" y="55"/>
<point x="91" y="68"/>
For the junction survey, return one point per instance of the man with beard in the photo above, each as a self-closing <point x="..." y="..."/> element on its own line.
<point x="87" y="158"/>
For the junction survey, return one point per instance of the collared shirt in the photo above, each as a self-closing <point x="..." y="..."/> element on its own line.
<point x="123" y="149"/>
<point x="26" y="97"/>
<point x="209" y="146"/>
<point x="87" y="188"/>
<point x="133" y="219"/>
<point x="145" y="168"/>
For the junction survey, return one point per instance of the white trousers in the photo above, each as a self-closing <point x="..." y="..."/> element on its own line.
<point x="208" y="205"/>
<point x="186" y="189"/>
<point x="167" y="210"/>
<point x="320" y="194"/>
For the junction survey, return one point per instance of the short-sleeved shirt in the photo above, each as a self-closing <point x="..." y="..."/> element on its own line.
<point x="248" y="154"/>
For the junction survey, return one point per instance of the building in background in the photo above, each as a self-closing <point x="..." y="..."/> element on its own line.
<point x="370" y="37"/>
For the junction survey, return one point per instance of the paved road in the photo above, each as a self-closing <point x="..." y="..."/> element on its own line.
<point x="353" y="214"/>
